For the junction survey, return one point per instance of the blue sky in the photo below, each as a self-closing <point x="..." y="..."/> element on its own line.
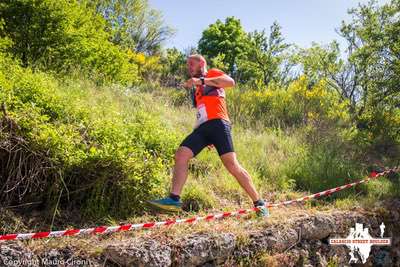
<point x="302" y="21"/>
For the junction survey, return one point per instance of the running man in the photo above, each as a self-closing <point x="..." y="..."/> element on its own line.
<point x="213" y="128"/>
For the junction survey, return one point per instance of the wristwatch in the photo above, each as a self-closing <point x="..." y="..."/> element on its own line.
<point x="202" y="80"/>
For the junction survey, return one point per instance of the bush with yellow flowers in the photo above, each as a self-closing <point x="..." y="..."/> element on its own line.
<point x="297" y="105"/>
<point x="149" y="67"/>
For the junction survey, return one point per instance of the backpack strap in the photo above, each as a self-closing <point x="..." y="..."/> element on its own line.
<point x="193" y="95"/>
<point x="207" y="90"/>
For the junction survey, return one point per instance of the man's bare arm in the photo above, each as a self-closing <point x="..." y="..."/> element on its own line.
<point x="221" y="81"/>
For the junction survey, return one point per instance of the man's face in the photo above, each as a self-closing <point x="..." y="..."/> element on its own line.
<point x="194" y="67"/>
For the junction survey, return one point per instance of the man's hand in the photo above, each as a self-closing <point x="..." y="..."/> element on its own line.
<point x="192" y="81"/>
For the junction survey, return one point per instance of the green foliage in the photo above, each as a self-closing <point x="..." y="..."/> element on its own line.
<point x="379" y="126"/>
<point x="383" y="188"/>
<point x="174" y="67"/>
<point x="62" y="36"/>
<point x="374" y="45"/>
<point x="319" y="62"/>
<point x="264" y="153"/>
<point x="249" y="57"/>
<point x="333" y="261"/>
<point x="224" y="38"/>
<point x="110" y="150"/>
<point x="296" y="106"/>
<point x="197" y="197"/>
<point x="323" y="165"/>
<point x="134" y="24"/>
<point x="148" y="67"/>
<point x="219" y="62"/>
<point x="264" y="57"/>
<point x="4" y="42"/>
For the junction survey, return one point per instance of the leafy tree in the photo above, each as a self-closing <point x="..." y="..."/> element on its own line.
<point x="134" y="24"/>
<point x="174" y="67"/>
<point x="324" y="63"/>
<point x="264" y="56"/>
<point x="374" y="48"/>
<point x="63" y="36"/>
<point x="224" y="38"/>
<point x="218" y="62"/>
<point x="255" y="57"/>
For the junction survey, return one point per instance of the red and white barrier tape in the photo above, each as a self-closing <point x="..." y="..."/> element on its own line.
<point x="128" y="227"/>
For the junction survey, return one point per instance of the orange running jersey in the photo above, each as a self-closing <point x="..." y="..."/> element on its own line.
<point x="210" y="100"/>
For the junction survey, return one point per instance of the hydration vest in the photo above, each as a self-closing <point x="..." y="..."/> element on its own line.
<point x="207" y="90"/>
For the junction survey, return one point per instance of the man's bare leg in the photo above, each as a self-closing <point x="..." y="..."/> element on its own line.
<point x="182" y="157"/>
<point x="242" y="176"/>
<point x="172" y="203"/>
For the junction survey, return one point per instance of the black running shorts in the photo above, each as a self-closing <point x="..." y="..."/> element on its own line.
<point x="216" y="132"/>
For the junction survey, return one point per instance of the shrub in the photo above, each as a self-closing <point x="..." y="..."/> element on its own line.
<point x="64" y="36"/>
<point x="102" y="155"/>
<point x="297" y="105"/>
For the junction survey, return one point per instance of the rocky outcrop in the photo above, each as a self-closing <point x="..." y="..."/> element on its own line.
<point x="297" y="241"/>
<point x="140" y="253"/>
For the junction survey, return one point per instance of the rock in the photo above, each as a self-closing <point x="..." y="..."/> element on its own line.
<point x="273" y="240"/>
<point x="317" y="227"/>
<point x="201" y="249"/>
<point x="14" y="254"/>
<point x="289" y="259"/>
<point x="139" y="253"/>
<point x="63" y="257"/>
<point x="297" y="257"/>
